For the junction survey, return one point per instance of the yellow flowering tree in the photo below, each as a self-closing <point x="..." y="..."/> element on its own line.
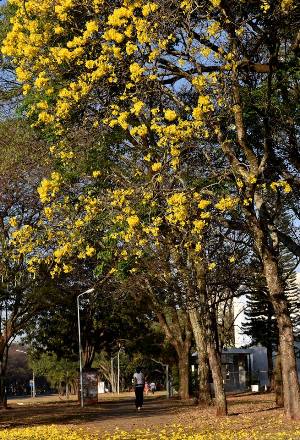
<point x="172" y="77"/>
<point x="22" y="295"/>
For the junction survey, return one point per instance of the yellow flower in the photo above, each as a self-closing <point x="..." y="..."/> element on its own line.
<point x="112" y="34"/>
<point x="149" y="8"/>
<point x="226" y="203"/>
<point x="90" y="251"/>
<point x="136" y="71"/>
<point x="137" y="107"/>
<point x="265" y="6"/>
<point x="281" y="184"/>
<point x="92" y="26"/>
<point x="198" y="247"/>
<point x="141" y="130"/>
<point x="203" y="203"/>
<point x="215" y="3"/>
<point x="252" y="179"/>
<point x="130" y="48"/>
<point x="198" y="225"/>
<point x="133" y="220"/>
<point x="156" y="166"/>
<point x="211" y="266"/>
<point x="13" y="222"/>
<point x="96" y="173"/>
<point x="170" y="115"/>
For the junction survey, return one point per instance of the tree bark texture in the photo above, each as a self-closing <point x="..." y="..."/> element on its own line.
<point x="213" y="354"/>
<point x="216" y="370"/>
<point x="291" y="391"/>
<point x="278" y="381"/>
<point x="270" y="366"/>
<point x="180" y="336"/>
<point x="183" y="368"/>
<point x="3" y="367"/>
<point x="203" y="363"/>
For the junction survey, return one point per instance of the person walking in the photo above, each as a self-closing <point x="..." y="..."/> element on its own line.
<point x="152" y="387"/>
<point x="139" y="383"/>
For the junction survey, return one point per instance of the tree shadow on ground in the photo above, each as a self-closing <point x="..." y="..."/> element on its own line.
<point x="63" y="413"/>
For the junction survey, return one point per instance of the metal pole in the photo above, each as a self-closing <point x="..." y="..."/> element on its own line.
<point x="33" y="384"/>
<point x="112" y="375"/>
<point x="79" y="344"/>
<point x="80" y="358"/>
<point x="167" y="376"/>
<point x="167" y="381"/>
<point x="118" y="385"/>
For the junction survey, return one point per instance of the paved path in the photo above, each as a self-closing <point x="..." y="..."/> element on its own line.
<point x="106" y="416"/>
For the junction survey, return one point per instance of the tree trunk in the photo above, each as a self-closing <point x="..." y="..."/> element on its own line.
<point x="203" y="366"/>
<point x="3" y="365"/>
<point x="183" y="367"/>
<point x="270" y="365"/>
<point x="181" y="341"/>
<point x="216" y="370"/>
<point x="291" y="391"/>
<point x="213" y="355"/>
<point x="205" y="397"/>
<point x="270" y="346"/>
<point x="278" y="381"/>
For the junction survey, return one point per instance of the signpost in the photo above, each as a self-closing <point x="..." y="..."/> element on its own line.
<point x="90" y="387"/>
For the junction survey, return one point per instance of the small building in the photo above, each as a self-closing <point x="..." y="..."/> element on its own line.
<point x="237" y="369"/>
<point x="243" y="367"/>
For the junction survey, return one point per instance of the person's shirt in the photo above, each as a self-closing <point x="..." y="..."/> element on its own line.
<point x="139" y="379"/>
<point x="152" y="385"/>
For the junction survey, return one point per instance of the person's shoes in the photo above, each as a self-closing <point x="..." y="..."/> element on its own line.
<point x="139" y="408"/>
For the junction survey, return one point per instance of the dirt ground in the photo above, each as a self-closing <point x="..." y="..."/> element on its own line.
<point x="247" y="411"/>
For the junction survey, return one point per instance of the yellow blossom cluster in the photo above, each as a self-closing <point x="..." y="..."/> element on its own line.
<point x="174" y="432"/>
<point x="118" y="51"/>
<point x="286" y="187"/>
<point x="47" y="432"/>
<point x="227" y="203"/>
<point x="50" y="187"/>
<point x="178" y="210"/>
<point x="23" y="239"/>
<point x="58" y="239"/>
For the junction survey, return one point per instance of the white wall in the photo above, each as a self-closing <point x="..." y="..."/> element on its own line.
<point x="239" y="305"/>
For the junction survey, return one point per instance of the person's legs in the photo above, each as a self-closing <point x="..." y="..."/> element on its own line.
<point x="139" y="397"/>
<point x="136" y="390"/>
<point x="142" y="397"/>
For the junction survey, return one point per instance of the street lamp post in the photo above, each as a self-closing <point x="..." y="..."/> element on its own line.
<point x="112" y="375"/>
<point x="118" y="389"/>
<point x="167" y="377"/>
<point x="33" y="393"/>
<point x="79" y="344"/>
<point x="116" y="386"/>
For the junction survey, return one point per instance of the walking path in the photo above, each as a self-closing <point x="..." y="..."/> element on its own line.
<point x="248" y="411"/>
<point x="110" y="413"/>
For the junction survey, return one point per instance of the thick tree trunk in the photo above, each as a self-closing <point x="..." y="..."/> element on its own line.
<point x="205" y="397"/>
<point x="270" y="365"/>
<point x="270" y="342"/>
<point x="213" y="354"/>
<point x="266" y="242"/>
<point x="291" y="391"/>
<point x="216" y="370"/>
<point x="203" y="366"/>
<point x="3" y="365"/>
<point x="181" y="338"/>
<point x="183" y="367"/>
<point x="278" y="381"/>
